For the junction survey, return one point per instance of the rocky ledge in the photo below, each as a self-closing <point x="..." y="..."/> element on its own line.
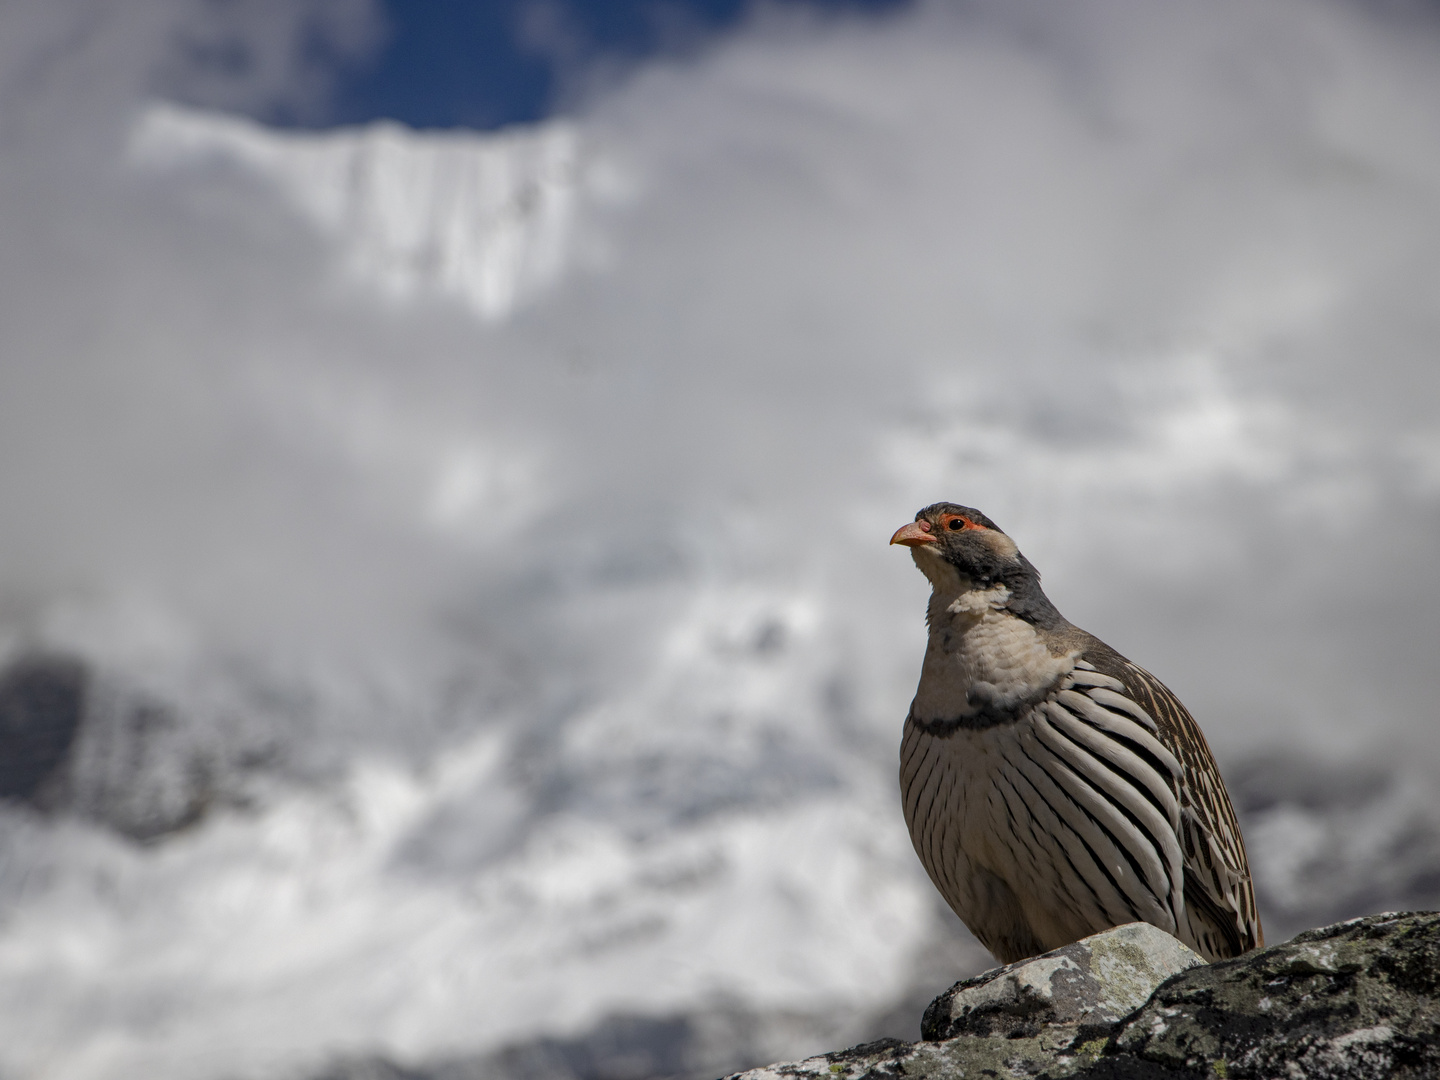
<point x="1359" y="1000"/>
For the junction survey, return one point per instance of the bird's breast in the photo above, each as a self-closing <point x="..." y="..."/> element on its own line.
<point x="983" y="660"/>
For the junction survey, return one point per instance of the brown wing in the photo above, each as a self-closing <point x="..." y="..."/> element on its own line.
<point x="1219" y="894"/>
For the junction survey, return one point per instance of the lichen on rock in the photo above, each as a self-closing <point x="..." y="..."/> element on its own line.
<point x="1092" y="984"/>
<point x="1359" y="1000"/>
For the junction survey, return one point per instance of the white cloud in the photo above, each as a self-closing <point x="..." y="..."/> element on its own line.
<point x="558" y="651"/>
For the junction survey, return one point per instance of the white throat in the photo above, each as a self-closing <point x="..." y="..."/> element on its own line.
<point x="979" y="655"/>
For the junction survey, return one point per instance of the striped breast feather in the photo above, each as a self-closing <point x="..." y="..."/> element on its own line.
<point x="1096" y="761"/>
<point x="1220" y="908"/>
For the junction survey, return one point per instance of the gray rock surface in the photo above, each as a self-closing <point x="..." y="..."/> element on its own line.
<point x="1359" y="1000"/>
<point x="42" y="701"/>
<point x="1092" y="983"/>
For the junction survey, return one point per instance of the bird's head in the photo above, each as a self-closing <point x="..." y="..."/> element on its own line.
<point x="948" y="541"/>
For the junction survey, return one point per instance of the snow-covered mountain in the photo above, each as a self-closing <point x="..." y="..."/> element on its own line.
<point x="445" y="614"/>
<point x="484" y="221"/>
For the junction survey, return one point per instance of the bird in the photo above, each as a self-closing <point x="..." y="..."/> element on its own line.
<point x="1052" y="788"/>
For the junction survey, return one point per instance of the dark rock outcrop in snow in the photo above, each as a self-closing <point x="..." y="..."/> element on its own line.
<point x="42" y="702"/>
<point x="1359" y="1000"/>
<point x="73" y="742"/>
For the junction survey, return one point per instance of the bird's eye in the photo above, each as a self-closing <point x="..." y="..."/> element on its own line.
<point x="957" y="524"/>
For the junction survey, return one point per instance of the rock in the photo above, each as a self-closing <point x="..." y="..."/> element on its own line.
<point x="75" y="742"/>
<point x="1093" y="983"/>
<point x="1359" y="1000"/>
<point x="1022" y="1018"/>
<point x="139" y="766"/>
<point x="42" y="701"/>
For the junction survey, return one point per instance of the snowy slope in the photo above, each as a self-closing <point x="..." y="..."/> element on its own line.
<point x="484" y="221"/>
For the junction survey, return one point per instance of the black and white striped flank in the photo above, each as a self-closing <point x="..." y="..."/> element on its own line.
<point x="1096" y="806"/>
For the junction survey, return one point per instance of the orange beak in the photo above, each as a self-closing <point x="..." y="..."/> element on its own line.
<point x="913" y="535"/>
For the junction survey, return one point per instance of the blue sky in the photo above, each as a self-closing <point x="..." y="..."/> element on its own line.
<point x="487" y="63"/>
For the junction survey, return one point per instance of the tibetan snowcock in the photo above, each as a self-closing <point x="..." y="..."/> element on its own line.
<point x="1053" y="789"/>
